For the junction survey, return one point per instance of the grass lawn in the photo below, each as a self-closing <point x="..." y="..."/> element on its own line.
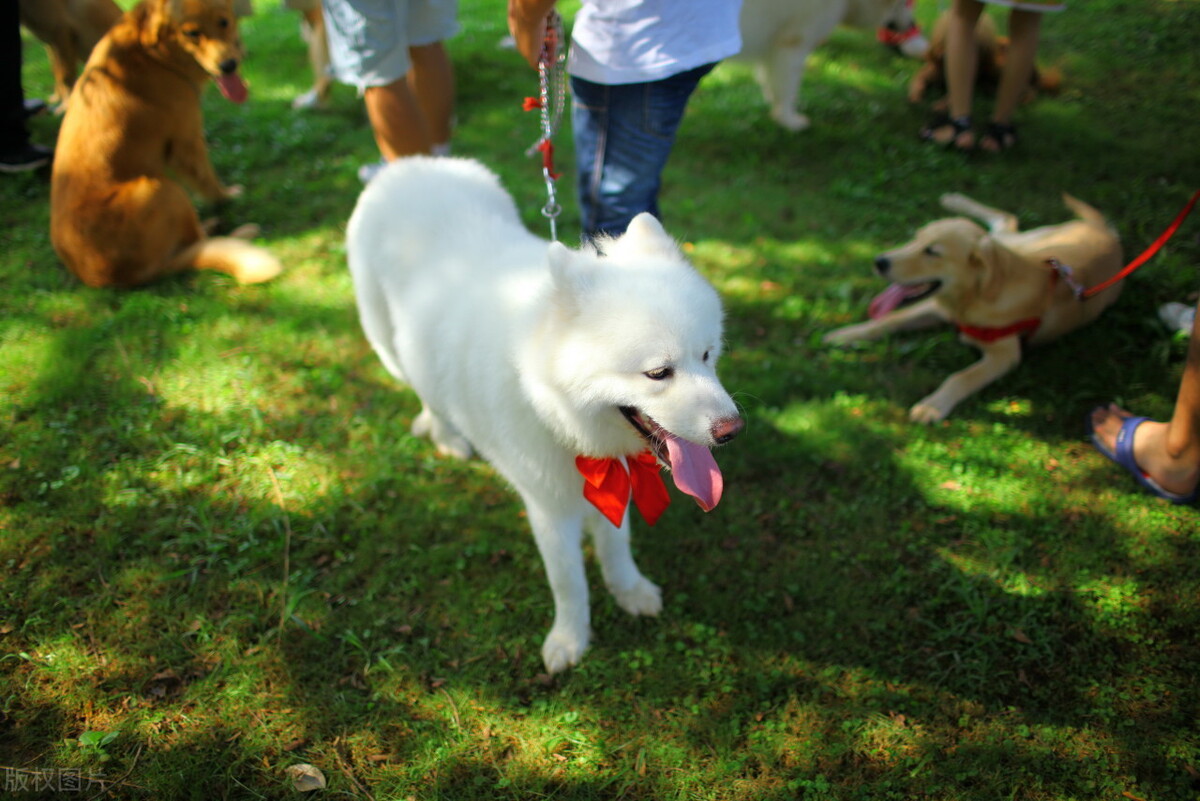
<point x="223" y="554"/>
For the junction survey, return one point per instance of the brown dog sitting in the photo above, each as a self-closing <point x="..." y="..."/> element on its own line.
<point x="997" y="286"/>
<point x="116" y="216"/>
<point x="993" y="50"/>
<point x="70" y="29"/>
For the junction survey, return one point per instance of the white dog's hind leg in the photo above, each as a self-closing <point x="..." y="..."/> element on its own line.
<point x="449" y="442"/>
<point x="781" y="76"/>
<point x="560" y="542"/>
<point x="635" y="593"/>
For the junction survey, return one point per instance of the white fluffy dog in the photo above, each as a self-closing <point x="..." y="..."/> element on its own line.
<point x="564" y="369"/>
<point x="779" y="35"/>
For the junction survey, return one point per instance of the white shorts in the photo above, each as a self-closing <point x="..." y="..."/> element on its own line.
<point x="1029" y="5"/>
<point x="369" y="39"/>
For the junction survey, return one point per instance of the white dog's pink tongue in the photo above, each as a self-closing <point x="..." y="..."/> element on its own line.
<point x="232" y="87"/>
<point x="694" y="470"/>
<point x="886" y="300"/>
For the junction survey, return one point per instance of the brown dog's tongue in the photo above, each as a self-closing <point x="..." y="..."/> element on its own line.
<point x="233" y="87"/>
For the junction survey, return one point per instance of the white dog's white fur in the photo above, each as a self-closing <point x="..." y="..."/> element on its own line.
<point x="525" y="351"/>
<point x="779" y="35"/>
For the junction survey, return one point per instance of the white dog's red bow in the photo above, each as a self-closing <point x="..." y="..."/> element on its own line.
<point x="607" y="485"/>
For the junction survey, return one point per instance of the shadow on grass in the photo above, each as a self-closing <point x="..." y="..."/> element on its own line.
<point x="831" y="619"/>
<point x="874" y="611"/>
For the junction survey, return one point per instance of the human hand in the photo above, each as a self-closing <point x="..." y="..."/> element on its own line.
<point x="527" y="24"/>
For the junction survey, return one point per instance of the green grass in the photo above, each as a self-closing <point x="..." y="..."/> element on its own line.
<point x="223" y="554"/>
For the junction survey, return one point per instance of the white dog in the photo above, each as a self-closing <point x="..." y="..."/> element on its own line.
<point x="557" y="366"/>
<point x="779" y="35"/>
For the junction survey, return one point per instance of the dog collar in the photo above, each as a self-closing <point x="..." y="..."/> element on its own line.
<point x="608" y="485"/>
<point x="1023" y="328"/>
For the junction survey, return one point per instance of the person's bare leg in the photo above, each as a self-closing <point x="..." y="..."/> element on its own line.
<point x="962" y="62"/>
<point x="318" y="53"/>
<point x="431" y="82"/>
<point x="1169" y="452"/>
<point x="396" y="120"/>
<point x="1024" y="28"/>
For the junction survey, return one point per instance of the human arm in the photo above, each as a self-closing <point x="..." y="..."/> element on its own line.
<point x="527" y="24"/>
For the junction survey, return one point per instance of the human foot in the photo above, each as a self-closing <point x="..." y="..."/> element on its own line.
<point x="998" y="137"/>
<point x="1139" y="445"/>
<point x="950" y="131"/>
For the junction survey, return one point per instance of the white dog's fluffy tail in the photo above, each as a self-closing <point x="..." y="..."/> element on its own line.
<point x="376" y="320"/>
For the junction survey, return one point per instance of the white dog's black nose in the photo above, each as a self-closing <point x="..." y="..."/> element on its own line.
<point x="726" y="429"/>
<point x="882" y="264"/>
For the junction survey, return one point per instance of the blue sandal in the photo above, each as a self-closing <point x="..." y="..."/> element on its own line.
<point x="1124" y="458"/>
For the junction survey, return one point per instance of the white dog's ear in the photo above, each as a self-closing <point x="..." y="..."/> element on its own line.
<point x="568" y="278"/>
<point x="646" y="234"/>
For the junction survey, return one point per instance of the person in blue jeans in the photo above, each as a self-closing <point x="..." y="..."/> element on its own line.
<point x="633" y="65"/>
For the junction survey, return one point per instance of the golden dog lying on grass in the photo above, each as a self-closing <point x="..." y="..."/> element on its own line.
<point x="996" y="285"/>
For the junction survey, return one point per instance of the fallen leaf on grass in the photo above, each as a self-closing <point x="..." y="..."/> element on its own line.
<point x="306" y="778"/>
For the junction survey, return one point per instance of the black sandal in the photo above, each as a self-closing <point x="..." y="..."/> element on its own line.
<point x="958" y="127"/>
<point x="998" y="137"/>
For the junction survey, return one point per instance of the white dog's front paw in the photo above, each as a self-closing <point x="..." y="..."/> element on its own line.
<point x="563" y="648"/>
<point x="643" y="598"/>
<point x="792" y="120"/>
<point x="927" y="412"/>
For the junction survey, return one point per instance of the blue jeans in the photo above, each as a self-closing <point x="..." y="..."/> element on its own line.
<point x="623" y="137"/>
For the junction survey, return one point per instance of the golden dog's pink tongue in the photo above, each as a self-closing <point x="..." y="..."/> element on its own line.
<point x="886" y="300"/>
<point x="694" y="470"/>
<point x="232" y="87"/>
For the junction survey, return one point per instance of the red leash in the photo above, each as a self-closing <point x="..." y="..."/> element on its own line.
<point x="1147" y="254"/>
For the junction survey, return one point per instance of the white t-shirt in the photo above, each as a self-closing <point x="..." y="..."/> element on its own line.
<point x="634" y="41"/>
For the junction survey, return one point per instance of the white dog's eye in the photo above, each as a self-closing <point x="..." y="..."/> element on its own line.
<point x="659" y="373"/>
<point x="704" y="358"/>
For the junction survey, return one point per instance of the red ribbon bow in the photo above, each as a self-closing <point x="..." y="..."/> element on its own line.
<point x="607" y="485"/>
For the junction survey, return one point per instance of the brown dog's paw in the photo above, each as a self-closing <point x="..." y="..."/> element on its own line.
<point x="247" y="231"/>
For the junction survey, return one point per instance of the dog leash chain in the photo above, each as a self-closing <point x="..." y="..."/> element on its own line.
<point x="552" y="92"/>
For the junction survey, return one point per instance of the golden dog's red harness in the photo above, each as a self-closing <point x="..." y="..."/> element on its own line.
<point x="1024" y="328"/>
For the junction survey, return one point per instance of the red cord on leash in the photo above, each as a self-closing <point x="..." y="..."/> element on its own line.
<point x="552" y="88"/>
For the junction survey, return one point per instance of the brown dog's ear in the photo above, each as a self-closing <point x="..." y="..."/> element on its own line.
<point x="156" y="20"/>
<point x="989" y="260"/>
